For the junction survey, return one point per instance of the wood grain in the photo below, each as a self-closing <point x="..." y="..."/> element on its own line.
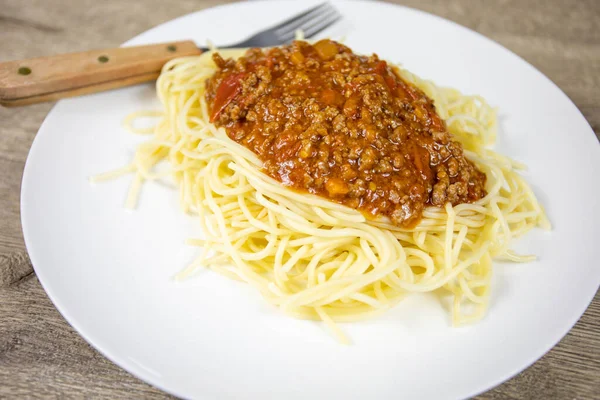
<point x="35" y="80"/>
<point x="40" y="354"/>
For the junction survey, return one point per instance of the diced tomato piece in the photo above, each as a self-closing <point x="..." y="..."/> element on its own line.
<point x="421" y="160"/>
<point x="380" y="67"/>
<point x="227" y="90"/>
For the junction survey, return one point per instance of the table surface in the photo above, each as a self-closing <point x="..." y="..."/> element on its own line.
<point x="42" y="356"/>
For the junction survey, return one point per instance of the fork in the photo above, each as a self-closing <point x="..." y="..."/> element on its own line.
<point x="311" y="22"/>
<point x="36" y="80"/>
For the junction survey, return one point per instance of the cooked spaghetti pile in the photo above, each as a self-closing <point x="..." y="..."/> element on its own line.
<point x="317" y="259"/>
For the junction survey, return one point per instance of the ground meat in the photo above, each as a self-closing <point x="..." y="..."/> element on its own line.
<point x="346" y="127"/>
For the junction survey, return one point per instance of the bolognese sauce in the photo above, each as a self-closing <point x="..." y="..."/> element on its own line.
<point x="346" y="127"/>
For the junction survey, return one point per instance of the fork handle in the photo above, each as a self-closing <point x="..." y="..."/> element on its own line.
<point x="51" y="78"/>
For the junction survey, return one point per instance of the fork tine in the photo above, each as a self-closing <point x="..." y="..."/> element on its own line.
<point x="310" y="32"/>
<point x="297" y="17"/>
<point x="308" y="23"/>
<point x="295" y="25"/>
<point x="309" y="26"/>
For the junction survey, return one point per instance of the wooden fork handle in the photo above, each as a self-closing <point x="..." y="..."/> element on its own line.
<point x="51" y="78"/>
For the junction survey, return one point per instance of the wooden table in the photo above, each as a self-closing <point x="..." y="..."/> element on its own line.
<point x="41" y="356"/>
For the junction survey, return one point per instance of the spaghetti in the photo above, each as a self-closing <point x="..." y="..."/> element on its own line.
<point x="316" y="259"/>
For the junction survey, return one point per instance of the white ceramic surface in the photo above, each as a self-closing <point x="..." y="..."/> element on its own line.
<point x="108" y="270"/>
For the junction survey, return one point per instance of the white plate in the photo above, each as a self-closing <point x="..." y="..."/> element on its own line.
<point x="108" y="270"/>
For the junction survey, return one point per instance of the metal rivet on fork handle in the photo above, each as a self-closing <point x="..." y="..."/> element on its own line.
<point x="24" y="71"/>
